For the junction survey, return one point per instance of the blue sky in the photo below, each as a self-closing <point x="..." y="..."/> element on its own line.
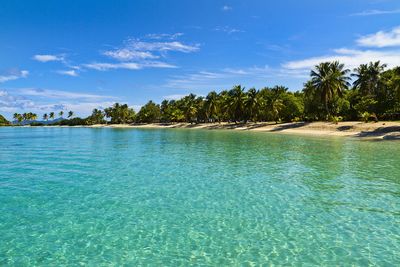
<point x="80" y="55"/>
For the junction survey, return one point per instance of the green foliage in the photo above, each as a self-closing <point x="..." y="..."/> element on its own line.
<point x="37" y="124"/>
<point x="365" y="116"/>
<point x="366" y="104"/>
<point x="3" y="121"/>
<point x="336" y="119"/>
<point x="120" y="114"/>
<point x="329" y="79"/>
<point x="72" y="122"/>
<point x="149" y="113"/>
<point x="97" y="117"/>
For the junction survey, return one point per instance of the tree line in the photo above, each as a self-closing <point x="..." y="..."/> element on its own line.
<point x="333" y="93"/>
<point x="28" y="118"/>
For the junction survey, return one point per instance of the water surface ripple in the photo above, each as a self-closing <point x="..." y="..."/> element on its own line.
<point x="78" y="196"/>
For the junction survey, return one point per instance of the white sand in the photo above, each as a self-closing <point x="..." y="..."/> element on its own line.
<point x="379" y="130"/>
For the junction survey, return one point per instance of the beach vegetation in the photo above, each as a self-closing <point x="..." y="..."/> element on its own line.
<point x="332" y="93"/>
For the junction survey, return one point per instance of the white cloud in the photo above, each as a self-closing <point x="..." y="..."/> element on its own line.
<point x="60" y="94"/>
<point x="138" y="45"/>
<point x="227" y="29"/>
<point x="48" y="58"/>
<point x="127" y="54"/>
<point x="137" y="54"/>
<point x="158" y="36"/>
<point x="136" y="49"/>
<point x="128" y="65"/>
<point x="225" y="78"/>
<point x="11" y="103"/>
<point x="375" y="12"/>
<point x="14" y="75"/>
<point x="351" y="58"/>
<point x="139" y="49"/>
<point x="381" y="39"/>
<point x="226" y="8"/>
<point x="41" y="101"/>
<point x="108" y="66"/>
<point x="72" y="73"/>
<point x="174" y="97"/>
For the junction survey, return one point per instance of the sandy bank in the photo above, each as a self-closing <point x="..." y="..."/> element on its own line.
<point x="379" y="130"/>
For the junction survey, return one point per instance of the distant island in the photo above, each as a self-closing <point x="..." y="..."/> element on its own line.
<point x="368" y="93"/>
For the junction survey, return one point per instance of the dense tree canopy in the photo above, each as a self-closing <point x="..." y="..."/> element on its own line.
<point x="120" y="113"/>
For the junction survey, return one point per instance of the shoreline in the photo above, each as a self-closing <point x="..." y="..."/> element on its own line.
<point x="385" y="130"/>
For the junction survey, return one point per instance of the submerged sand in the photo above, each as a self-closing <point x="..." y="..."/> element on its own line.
<point x="373" y="130"/>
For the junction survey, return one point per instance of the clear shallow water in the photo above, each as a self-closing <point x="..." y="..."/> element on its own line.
<point x="71" y="196"/>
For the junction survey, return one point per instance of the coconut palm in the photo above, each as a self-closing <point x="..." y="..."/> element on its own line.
<point x="190" y="107"/>
<point x="368" y="77"/>
<point x="18" y="117"/>
<point x="25" y="116"/>
<point x="212" y="106"/>
<point x="70" y="114"/>
<point x="61" y="113"/>
<point x="45" y="117"/>
<point x="330" y="79"/>
<point x="33" y="116"/>
<point x="51" y="115"/>
<point x="236" y="97"/>
<point x="252" y="103"/>
<point x="276" y="107"/>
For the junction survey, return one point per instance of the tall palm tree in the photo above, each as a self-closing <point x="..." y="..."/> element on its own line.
<point x="252" y="103"/>
<point x="45" y="117"/>
<point x="51" y="115"/>
<point x="70" y="114"/>
<point x="25" y="116"/>
<point x="16" y="116"/>
<point x="276" y="107"/>
<point x="368" y="78"/>
<point x="28" y="116"/>
<point x="275" y="102"/>
<point x="330" y="79"/>
<point x="190" y="107"/>
<point x="236" y="102"/>
<point x="212" y="106"/>
<point x="34" y="116"/>
<point x="61" y="113"/>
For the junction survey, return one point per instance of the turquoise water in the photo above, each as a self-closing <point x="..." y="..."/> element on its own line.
<point x="77" y="196"/>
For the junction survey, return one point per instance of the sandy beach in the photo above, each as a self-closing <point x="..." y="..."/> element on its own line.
<point x="371" y="130"/>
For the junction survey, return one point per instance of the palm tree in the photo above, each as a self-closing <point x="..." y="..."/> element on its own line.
<point x="25" y="116"/>
<point x="51" y="115"/>
<point x="368" y="77"/>
<point x="190" y="107"/>
<point x="212" y="106"/>
<point x="70" y="114"/>
<point x="45" y="117"/>
<point x="61" y="113"/>
<point x="16" y="116"/>
<point x="236" y="102"/>
<point x="330" y="79"/>
<point x="34" y="116"/>
<point x="252" y="104"/>
<point x="276" y="109"/>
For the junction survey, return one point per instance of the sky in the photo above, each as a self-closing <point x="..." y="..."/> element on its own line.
<point x="79" y="55"/>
